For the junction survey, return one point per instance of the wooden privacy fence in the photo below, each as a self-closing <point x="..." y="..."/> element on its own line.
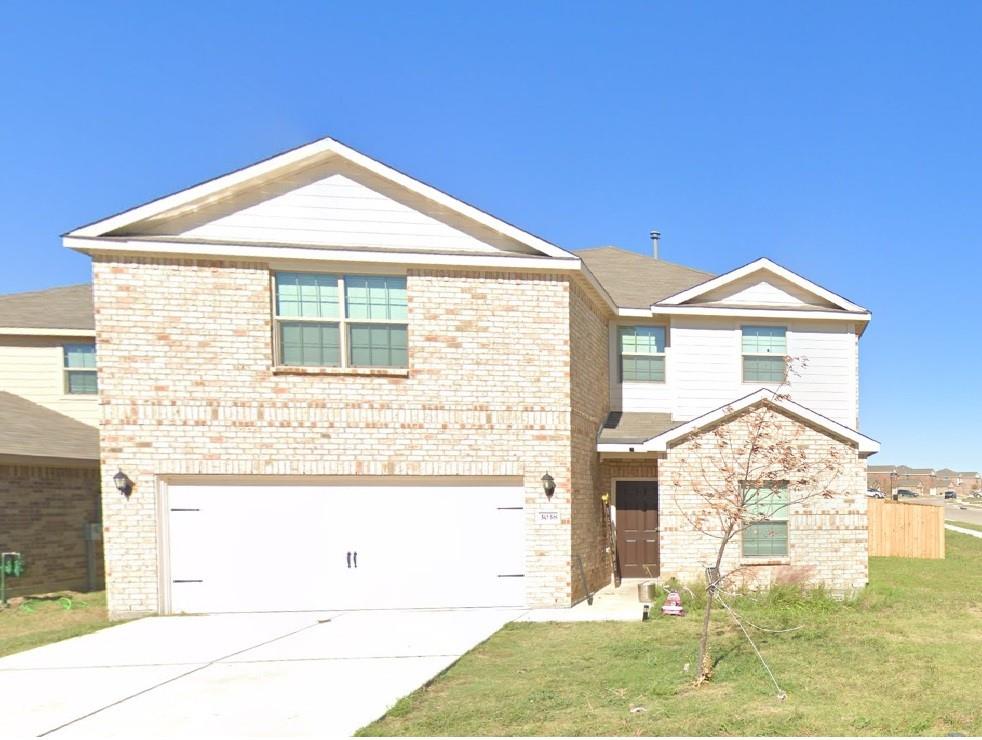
<point x="906" y="530"/>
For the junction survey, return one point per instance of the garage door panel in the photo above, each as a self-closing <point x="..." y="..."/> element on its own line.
<point x="246" y="548"/>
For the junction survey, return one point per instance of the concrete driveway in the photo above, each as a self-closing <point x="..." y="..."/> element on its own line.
<point x="243" y="675"/>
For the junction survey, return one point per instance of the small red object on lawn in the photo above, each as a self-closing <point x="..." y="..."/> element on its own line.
<point x="673" y="605"/>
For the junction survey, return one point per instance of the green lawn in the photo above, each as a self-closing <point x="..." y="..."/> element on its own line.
<point x="904" y="658"/>
<point x="35" y="622"/>
<point x="967" y="525"/>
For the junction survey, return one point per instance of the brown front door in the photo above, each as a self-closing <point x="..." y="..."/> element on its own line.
<point x="637" y="528"/>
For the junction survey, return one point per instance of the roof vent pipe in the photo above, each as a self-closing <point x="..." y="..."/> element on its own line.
<point x="655" y="238"/>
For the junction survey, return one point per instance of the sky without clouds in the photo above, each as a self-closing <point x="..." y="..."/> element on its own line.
<point x="843" y="140"/>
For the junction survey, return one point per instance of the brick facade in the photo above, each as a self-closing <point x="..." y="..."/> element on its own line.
<point x="827" y="537"/>
<point x="508" y="376"/>
<point x="45" y="511"/>
<point x="187" y="388"/>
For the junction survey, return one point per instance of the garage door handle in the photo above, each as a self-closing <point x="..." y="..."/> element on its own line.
<point x="349" y="558"/>
<point x="356" y="558"/>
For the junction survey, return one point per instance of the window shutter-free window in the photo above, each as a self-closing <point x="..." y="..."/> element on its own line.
<point x="765" y="352"/>
<point x="341" y="320"/>
<point x="768" y="536"/>
<point x="642" y="353"/>
<point x="80" y="370"/>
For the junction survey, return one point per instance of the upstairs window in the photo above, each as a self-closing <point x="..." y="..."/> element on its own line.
<point x="341" y="320"/>
<point x="80" y="373"/>
<point x="765" y="350"/>
<point x="642" y="351"/>
<point x="767" y="510"/>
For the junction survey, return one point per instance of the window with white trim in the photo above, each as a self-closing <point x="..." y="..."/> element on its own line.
<point x="80" y="371"/>
<point x="765" y="350"/>
<point x="355" y="321"/>
<point x="642" y="353"/>
<point x="767" y="506"/>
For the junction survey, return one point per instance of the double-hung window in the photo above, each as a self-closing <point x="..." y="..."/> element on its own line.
<point x="766" y="534"/>
<point x="642" y="350"/>
<point x="350" y="321"/>
<point x="80" y="372"/>
<point x="765" y="350"/>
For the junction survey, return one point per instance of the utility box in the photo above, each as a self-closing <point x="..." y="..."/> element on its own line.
<point x="647" y="592"/>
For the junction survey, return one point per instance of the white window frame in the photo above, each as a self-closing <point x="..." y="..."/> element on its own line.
<point x="621" y="354"/>
<point x="783" y="518"/>
<point x="784" y="357"/>
<point x="66" y="369"/>
<point x="343" y="321"/>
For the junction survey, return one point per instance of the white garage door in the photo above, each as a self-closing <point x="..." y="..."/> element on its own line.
<point x="319" y="547"/>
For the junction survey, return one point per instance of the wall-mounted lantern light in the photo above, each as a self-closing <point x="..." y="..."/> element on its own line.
<point x="548" y="485"/>
<point x="123" y="484"/>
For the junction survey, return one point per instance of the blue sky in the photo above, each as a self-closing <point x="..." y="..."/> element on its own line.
<point x="843" y="140"/>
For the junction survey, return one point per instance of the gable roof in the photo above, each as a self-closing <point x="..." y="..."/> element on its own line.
<point x="763" y="264"/>
<point x="635" y="280"/>
<point x="30" y="430"/>
<point x="866" y="446"/>
<point x="214" y="190"/>
<point x="68" y="307"/>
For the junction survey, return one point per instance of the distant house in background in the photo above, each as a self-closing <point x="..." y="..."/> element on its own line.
<point x="923" y="481"/>
<point x="49" y="439"/>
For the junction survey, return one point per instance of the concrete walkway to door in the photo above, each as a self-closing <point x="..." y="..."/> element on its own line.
<point x="241" y="675"/>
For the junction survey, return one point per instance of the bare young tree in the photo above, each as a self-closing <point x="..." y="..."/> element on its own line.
<point x="740" y="480"/>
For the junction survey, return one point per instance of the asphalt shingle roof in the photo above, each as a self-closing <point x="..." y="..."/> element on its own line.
<point x="69" y="307"/>
<point x="635" y="280"/>
<point x="625" y="427"/>
<point x="30" y="430"/>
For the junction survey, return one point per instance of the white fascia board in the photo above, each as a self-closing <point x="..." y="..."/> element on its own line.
<point x="45" y="332"/>
<point x="760" y="264"/>
<point x="635" y="312"/>
<point x="204" y="189"/>
<point x="865" y="445"/>
<point x="313" y="254"/>
<point x="756" y="313"/>
<point x="297" y="157"/>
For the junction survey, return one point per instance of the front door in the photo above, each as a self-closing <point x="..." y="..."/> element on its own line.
<point x="637" y="528"/>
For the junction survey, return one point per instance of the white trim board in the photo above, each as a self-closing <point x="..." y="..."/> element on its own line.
<point x="866" y="446"/>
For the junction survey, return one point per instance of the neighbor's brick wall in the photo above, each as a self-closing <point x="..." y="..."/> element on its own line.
<point x="187" y="388"/>
<point x="589" y="367"/>
<point x="828" y="537"/>
<point x="43" y="513"/>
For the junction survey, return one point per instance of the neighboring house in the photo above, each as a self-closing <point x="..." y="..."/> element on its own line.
<point x="49" y="441"/>
<point x="923" y="481"/>
<point x="334" y="386"/>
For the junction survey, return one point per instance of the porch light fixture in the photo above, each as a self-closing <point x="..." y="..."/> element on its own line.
<point x="548" y="485"/>
<point x="123" y="484"/>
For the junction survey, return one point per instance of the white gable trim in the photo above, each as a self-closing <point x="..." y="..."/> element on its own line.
<point x="758" y="313"/>
<point x="298" y="157"/>
<point x="45" y="332"/>
<point x="760" y="264"/>
<point x="865" y="445"/>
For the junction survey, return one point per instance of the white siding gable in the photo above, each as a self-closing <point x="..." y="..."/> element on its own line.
<point x="762" y="288"/>
<point x="331" y="204"/>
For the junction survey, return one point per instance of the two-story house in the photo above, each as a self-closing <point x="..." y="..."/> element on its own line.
<point x="325" y="384"/>
<point x="49" y="441"/>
